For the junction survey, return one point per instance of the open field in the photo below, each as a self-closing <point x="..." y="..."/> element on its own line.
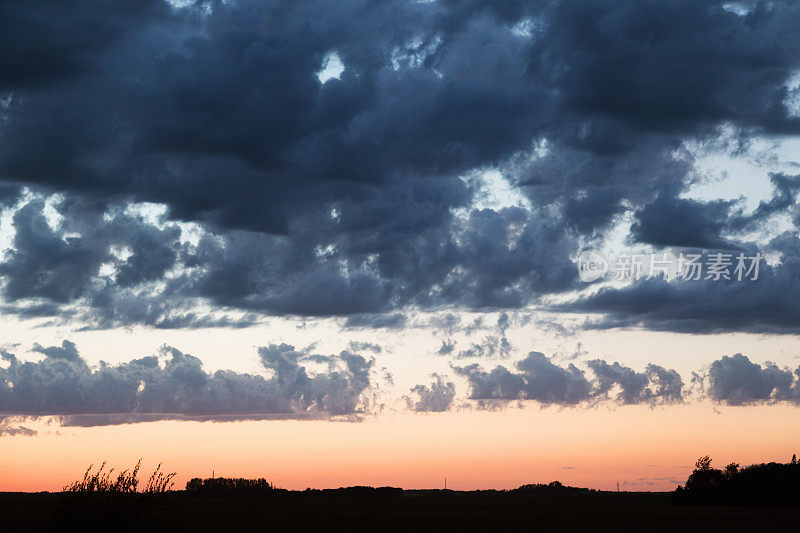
<point x="419" y="510"/>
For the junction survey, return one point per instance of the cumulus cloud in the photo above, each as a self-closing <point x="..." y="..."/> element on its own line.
<point x="655" y="385"/>
<point x="731" y="380"/>
<point x="436" y="397"/>
<point x="68" y="351"/>
<point x="735" y="380"/>
<point x="539" y="379"/>
<point x="174" y="385"/>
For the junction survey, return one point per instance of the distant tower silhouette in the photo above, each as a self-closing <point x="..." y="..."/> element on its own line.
<point x="617" y="486"/>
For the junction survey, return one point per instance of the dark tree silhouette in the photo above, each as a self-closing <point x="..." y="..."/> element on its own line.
<point x="760" y="484"/>
<point x="731" y="470"/>
<point x="704" y="480"/>
<point x="222" y="486"/>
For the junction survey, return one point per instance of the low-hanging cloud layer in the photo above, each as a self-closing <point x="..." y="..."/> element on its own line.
<point x="174" y="386"/>
<point x="735" y="380"/>
<point x="540" y="379"/>
<point x="731" y="380"/>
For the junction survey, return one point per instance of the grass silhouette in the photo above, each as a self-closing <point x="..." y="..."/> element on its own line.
<point x="126" y="482"/>
<point x="101" y="498"/>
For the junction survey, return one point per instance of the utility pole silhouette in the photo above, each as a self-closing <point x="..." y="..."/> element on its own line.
<point x="445" y="483"/>
<point x="617" y="486"/>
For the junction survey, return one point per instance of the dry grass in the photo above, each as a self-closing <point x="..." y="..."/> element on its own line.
<point x="102" y="497"/>
<point x="126" y="482"/>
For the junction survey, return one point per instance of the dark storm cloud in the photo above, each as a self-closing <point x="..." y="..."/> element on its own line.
<point x="786" y="188"/>
<point x="205" y="101"/>
<point x="60" y="263"/>
<point x="65" y="385"/>
<point x="701" y="223"/>
<point x="766" y="305"/>
<point x="151" y="275"/>
<point x="637" y="78"/>
<point x="344" y="198"/>
<point x="42" y="264"/>
<point x="673" y="66"/>
<point x="52" y="41"/>
<point x="389" y="321"/>
<point x="434" y="398"/>
<point x="539" y="379"/>
<point x="492" y="259"/>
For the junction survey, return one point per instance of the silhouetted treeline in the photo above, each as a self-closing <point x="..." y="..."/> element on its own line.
<point x="357" y="491"/>
<point x="221" y="486"/>
<point x="554" y="487"/>
<point x="224" y="486"/>
<point x="761" y="484"/>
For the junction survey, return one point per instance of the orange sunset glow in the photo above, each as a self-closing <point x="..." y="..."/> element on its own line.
<point x="473" y="450"/>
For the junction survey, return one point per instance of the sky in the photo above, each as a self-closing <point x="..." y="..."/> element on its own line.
<point x="392" y="242"/>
